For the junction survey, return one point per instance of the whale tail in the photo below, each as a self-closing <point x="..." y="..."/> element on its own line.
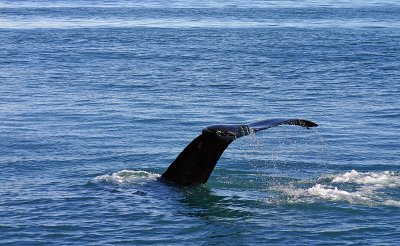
<point x="195" y="163"/>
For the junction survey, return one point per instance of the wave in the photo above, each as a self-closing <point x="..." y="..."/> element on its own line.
<point x="68" y="23"/>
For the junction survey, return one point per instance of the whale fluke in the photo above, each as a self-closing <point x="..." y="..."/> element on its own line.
<point x="195" y="163"/>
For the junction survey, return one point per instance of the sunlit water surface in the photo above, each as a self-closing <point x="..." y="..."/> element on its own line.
<point x="97" y="99"/>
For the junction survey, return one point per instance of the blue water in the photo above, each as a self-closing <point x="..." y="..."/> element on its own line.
<point x="98" y="98"/>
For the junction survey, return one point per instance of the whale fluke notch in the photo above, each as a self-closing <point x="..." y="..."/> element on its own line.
<point x="195" y="163"/>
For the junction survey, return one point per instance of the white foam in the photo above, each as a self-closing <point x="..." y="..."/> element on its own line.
<point x="128" y="177"/>
<point x="334" y="194"/>
<point x="391" y="202"/>
<point x="376" y="179"/>
<point x="364" y="188"/>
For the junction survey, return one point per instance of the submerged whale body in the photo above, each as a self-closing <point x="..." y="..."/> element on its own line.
<point x="194" y="164"/>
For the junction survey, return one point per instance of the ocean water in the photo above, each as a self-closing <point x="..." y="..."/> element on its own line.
<point x="97" y="98"/>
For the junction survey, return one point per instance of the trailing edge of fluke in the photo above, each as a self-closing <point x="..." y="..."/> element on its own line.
<point x="194" y="164"/>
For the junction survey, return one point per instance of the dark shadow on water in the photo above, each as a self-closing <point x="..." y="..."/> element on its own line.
<point x="203" y="202"/>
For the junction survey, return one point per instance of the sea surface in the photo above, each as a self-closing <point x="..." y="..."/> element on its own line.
<point x="97" y="98"/>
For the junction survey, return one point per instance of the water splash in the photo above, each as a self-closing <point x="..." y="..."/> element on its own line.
<point x="335" y="194"/>
<point x="375" y="179"/>
<point x="287" y="150"/>
<point x="128" y="177"/>
<point x="362" y="188"/>
<point x="296" y="155"/>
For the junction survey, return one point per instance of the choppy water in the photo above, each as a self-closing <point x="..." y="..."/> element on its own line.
<point x="97" y="99"/>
